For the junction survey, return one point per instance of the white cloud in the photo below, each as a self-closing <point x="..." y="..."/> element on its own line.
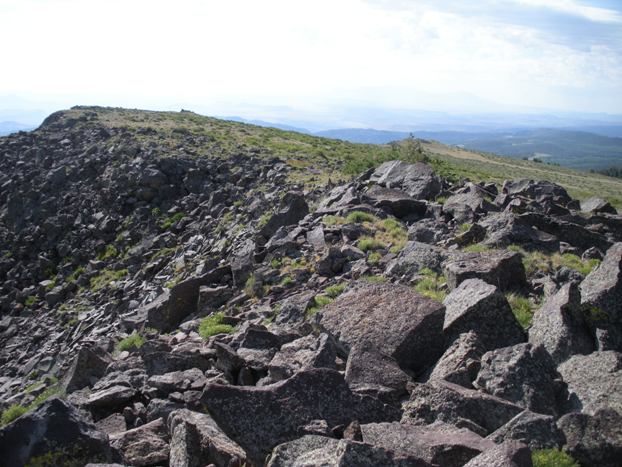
<point x="278" y="52"/>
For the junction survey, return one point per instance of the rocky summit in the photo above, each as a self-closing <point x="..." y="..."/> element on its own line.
<point x="183" y="291"/>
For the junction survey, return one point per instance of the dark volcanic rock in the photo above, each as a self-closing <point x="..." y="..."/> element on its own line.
<point x="438" y="443"/>
<point x="535" y="430"/>
<point x="507" y="454"/>
<point x="397" y="321"/>
<point x="503" y="269"/>
<point x="89" y="365"/>
<point x="417" y="180"/>
<point x="480" y="307"/>
<point x="524" y="374"/>
<point x="559" y="325"/>
<point x="597" y="205"/>
<point x="395" y="202"/>
<point x="414" y="257"/>
<point x="260" y="418"/>
<point x="458" y="406"/>
<point x="56" y="433"/>
<point x="594" y="439"/>
<point x="594" y="381"/>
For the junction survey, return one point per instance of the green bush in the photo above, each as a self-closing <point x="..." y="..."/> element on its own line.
<point x="522" y="308"/>
<point x="357" y="217"/>
<point x="212" y="325"/>
<point x="12" y="413"/>
<point x="369" y="244"/>
<point x="132" y="342"/>
<point x="552" y="458"/>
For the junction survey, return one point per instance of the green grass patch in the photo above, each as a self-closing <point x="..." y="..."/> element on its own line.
<point x="287" y="280"/>
<point x="276" y="263"/>
<point x="330" y="220"/>
<point x="552" y="458"/>
<point x="431" y="285"/>
<point x="263" y="220"/>
<point x="374" y="279"/>
<point x="13" y="412"/>
<point x="369" y="244"/>
<point x="132" y="342"/>
<point x="335" y="290"/>
<point x="462" y="228"/>
<point x="374" y="258"/>
<point x="212" y="325"/>
<point x="109" y="252"/>
<point x="30" y="300"/>
<point x="522" y="308"/>
<point x="169" y="221"/>
<point x="574" y="262"/>
<point x="358" y="217"/>
<point x="477" y="248"/>
<point x="106" y="277"/>
<point x="76" y="274"/>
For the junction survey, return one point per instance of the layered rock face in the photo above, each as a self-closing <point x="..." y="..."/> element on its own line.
<point x="168" y="298"/>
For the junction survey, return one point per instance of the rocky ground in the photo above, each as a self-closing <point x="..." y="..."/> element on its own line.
<point x="165" y="301"/>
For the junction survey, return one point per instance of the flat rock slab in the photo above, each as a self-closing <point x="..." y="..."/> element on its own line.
<point x="145" y="445"/>
<point x="602" y="288"/>
<point x="438" y="443"/>
<point x="396" y="320"/>
<point x="503" y="269"/>
<point x="461" y="407"/>
<point x="259" y="418"/>
<point x="507" y="454"/>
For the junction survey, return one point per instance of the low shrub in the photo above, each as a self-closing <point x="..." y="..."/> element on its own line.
<point x="369" y="244"/>
<point x="552" y="458"/>
<point x="358" y="217"/>
<point x="132" y="342"/>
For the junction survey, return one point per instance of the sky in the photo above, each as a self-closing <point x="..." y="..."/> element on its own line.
<point x="252" y="58"/>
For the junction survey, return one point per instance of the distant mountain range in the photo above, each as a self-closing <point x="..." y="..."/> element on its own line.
<point x="584" y="148"/>
<point x="6" y="128"/>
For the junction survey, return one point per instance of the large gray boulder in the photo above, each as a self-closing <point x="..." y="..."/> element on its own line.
<point x="524" y="374"/>
<point x="459" y="406"/>
<point x="303" y="354"/>
<point x="480" y="307"/>
<point x="196" y="441"/>
<point x="560" y="327"/>
<point x="503" y="269"/>
<point x="461" y="361"/>
<point x="294" y="207"/>
<point x="259" y="418"/>
<point x="417" y="180"/>
<point x="507" y="454"/>
<point x="314" y="450"/>
<point x="594" y="439"/>
<point x="143" y="446"/>
<point x="393" y="318"/>
<point x="57" y="433"/>
<point x="438" y="443"/>
<point x="597" y="205"/>
<point x="594" y="381"/>
<point x="505" y="228"/>
<point x="536" y="430"/>
<point x="414" y="257"/>
<point x="395" y="202"/>
<point x="602" y="288"/>
<point x="88" y="365"/>
<point x="539" y="190"/>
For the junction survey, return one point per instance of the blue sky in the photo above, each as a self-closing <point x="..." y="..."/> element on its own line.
<point x="244" y="56"/>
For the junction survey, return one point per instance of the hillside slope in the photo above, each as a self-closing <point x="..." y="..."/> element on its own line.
<point x="178" y="290"/>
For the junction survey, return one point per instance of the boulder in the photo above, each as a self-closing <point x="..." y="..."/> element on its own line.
<point x="438" y="443"/>
<point x="395" y="202"/>
<point x="461" y="361"/>
<point x="537" y="190"/>
<point x="55" y="433"/>
<point x="594" y="381"/>
<point x="241" y="259"/>
<point x="597" y="205"/>
<point x="524" y="374"/>
<point x="507" y="454"/>
<point x="368" y="369"/>
<point x="293" y="208"/>
<point x="536" y="430"/>
<point x="89" y="365"/>
<point x="303" y="354"/>
<point x="505" y="228"/>
<point x="560" y="327"/>
<point x="314" y="450"/>
<point x="458" y="406"/>
<point x="143" y="446"/>
<point x="110" y="398"/>
<point x="414" y="257"/>
<point x="480" y="307"/>
<point x="417" y="180"/>
<point x="503" y="269"/>
<point x="394" y="319"/>
<point x="259" y="418"/>
<point x="593" y="439"/>
<point x="181" y="381"/>
<point x="196" y="441"/>
<point x="602" y="288"/>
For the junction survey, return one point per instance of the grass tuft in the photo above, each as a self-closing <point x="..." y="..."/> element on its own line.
<point x="431" y="285"/>
<point x="522" y="308"/>
<point x="132" y="342"/>
<point x="358" y="217"/>
<point x="552" y="458"/>
<point x="212" y="325"/>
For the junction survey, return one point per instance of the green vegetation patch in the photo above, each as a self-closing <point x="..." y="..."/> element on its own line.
<point x="132" y="342"/>
<point x="106" y="277"/>
<point x="169" y="221"/>
<point x="13" y="412"/>
<point x="212" y="325"/>
<point x="431" y="285"/>
<point x="358" y="217"/>
<point x="522" y="308"/>
<point x="369" y="244"/>
<point x="552" y="458"/>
